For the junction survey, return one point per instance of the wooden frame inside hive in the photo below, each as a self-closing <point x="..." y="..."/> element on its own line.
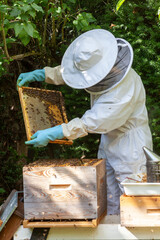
<point x="42" y="109"/>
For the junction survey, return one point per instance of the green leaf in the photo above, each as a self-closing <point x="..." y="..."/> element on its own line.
<point x="59" y="10"/>
<point x="37" y="8"/>
<point x="4" y="8"/>
<point x="20" y="3"/>
<point x="29" y="29"/>
<point x="25" y="39"/>
<point x="30" y="1"/>
<point x="119" y="4"/>
<point x="84" y="22"/>
<point x="25" y="17"/>
<point x="26" y="8"/>
<point x="10" y="40"/>
<point x="15" y="12"/>
<point x="2" y="190"/>
<point x="36" y="35"/>
<point x="6" y="22"/>
<point x="64" y="6"/>
<point x="32" y="13"/>
<point x="159" y="13"/>
<point x="75" y="22"/>
<point x="51" y="10"/>
<point x="18" y="28"/>
<point x="72" y="1"/>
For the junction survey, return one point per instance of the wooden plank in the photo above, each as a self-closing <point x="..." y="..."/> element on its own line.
<point x="101" y="189"/>
<point x="85" y="223"/>
<point x="15" y="220"/>
<point x="20" y="209"/>
<point x="8" y="208"/>
<point x="37" y="195"/>
<point x="5" y="204"/>
<point x="11" y="227"/>
<point x="62" y="210"/>
<point x="1" y="222"/>
<point x="140" y="211"/>
<point x="40" y="113"/>
<point x="60" y="175"/>
<point x="28" y="224"/>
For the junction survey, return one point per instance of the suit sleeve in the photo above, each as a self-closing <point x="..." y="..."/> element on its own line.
<point x="53" y="75"/>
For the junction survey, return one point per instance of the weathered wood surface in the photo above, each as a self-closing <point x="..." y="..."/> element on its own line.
<point x="1" y="222"/>
<point x="64" y="192"/>
<point x="11" y="227"/>
<point x="62" y="224"/>
<point x="13" y="223"/>
<point x="101" y="189"/>
<point x="79" y="210"/>
<point x="8" y="207"/>
<point x="140" y="211"/>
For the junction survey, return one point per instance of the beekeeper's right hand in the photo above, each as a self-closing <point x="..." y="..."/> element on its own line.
<point x="36" y="75"/>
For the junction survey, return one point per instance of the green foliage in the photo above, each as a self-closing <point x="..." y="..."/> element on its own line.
<point x="119" y="4"/>
<point x="138" y="23"/>
<point x="85" y="22"/>
<point x="11" y="170"/>
<point x="159" y="13"/>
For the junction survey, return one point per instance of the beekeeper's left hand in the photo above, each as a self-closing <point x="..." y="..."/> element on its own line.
<point x="42" y="137"/>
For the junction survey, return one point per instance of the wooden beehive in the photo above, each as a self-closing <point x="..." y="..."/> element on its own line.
<point x="42" y="109"/>
<point x="140" y="211"/>
<point x="64" y="189"/>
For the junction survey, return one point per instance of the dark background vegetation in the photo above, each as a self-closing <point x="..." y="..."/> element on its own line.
<point x="35" y="34"/>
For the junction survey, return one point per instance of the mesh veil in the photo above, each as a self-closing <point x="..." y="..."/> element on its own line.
<point x="119" y="70"/>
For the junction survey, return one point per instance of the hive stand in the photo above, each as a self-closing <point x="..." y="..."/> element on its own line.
<point x="109" y="228"/>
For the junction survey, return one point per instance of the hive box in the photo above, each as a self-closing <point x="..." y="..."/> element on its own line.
<point x="56" y="190"/>
<point x="140" y="211"/>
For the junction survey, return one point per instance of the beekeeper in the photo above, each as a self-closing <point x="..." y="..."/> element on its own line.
<point x="101" y="64"/>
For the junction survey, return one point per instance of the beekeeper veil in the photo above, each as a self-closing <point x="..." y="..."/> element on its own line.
<point x="96" y="61"/>
<point x="120" y="69"/>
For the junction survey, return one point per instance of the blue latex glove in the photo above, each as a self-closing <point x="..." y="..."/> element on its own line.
<point x="36" y="75"/>
<point x="42" y="137"/>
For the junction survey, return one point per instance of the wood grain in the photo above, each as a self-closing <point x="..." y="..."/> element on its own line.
<point x="11" y="227"/>
<point x="64" y="192"/>
<point x="72" y="224"/>
<point x="140" y="211"/>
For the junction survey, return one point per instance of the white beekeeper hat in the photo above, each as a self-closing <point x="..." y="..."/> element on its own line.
<point x="89" y="58"/>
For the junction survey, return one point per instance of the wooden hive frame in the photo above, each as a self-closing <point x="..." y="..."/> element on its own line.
<point x="26" y="116"/>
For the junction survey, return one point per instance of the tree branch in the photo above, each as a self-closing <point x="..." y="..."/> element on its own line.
<point x="45" y="27"/>
<point x="21" y="56"/>
<point x="64" y="23"/>
<point x="4" y="38"/>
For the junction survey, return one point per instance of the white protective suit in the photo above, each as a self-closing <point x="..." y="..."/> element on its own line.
<point x="120" y="115"/>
